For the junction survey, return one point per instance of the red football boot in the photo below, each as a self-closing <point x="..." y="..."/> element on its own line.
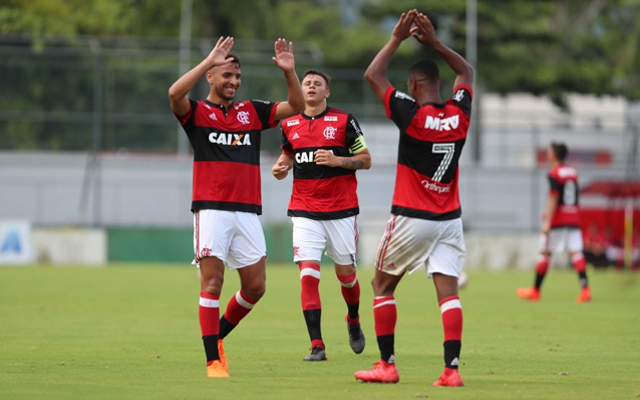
<point x="585" y="296"/>
<point x="382" y="373"/>
<point x="450" y="377"/>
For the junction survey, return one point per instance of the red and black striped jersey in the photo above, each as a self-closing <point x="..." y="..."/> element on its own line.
<point x="431" y="140"/>
<point x="226" y="153"/>
<point x="563" y="185"/>
<point x="321" y="192"/>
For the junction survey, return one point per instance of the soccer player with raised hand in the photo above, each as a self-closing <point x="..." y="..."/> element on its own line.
<point x="226" y="201"/>
<point x="425" y="228"/>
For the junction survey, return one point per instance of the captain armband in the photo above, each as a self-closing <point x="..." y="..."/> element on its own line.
<point x="358" y="145"/>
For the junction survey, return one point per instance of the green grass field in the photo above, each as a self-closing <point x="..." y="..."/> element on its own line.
<point x="131" y="332"/>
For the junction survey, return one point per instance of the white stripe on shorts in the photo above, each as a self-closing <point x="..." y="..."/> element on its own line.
<point x="209" y="303"/>
<point x="310" y="272"/>
<point x="450" y="305"/>
<point x="385" y="303"/>
<point x="242" y="301"/>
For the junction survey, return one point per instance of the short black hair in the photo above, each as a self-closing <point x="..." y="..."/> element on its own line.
<point x="560" y="150"/>
<point x="425" y="68"/>
<point x="234" y="56"/>
<point x="324" y="76"/>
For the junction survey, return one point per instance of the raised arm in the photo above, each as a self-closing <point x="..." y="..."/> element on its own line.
<point x="285" y="61"/>
<point x="377" y="70"/>
<point x="180" y="89"/>
<point x="425" y="34"/>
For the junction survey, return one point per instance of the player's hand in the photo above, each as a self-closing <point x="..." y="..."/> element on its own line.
<point x="326" y="157"/>
<point x="546" y="227"/>
<point x="402" y="30"/>
<point x="284" y="55"/>
<point x="218" y="55"/>
<point x="424" y="32"/>
<point x="280" y="170"/>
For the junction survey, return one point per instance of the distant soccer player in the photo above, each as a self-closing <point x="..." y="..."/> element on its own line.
<point x="225" y="137"/>
<point x="425" y="229"/>
<point x="325" y="147"/>
<point x="561" y="226"/>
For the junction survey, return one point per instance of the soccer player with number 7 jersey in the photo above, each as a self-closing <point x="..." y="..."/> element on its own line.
<point x="561" y="226"/>
<point x="425" y="229"/>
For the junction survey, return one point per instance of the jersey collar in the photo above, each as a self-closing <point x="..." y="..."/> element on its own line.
<point x="220" y="106"/>
<point x="437" y="105"/>
<point x="322" y="114"/>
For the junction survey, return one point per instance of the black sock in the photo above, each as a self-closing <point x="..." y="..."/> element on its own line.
<point x="211" y="347"/>
<point x="583" y="279"/>
<point x="385" y="344"/>
<point x="312" y="318"/>
<point x="225" y="327"/>
<point x="539" y="279"/>
<point x="353" y="310"/>
<point x="452" y="353"/>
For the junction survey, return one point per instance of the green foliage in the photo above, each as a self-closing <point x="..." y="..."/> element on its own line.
<point x="545" y="47"/>
<point x="96" y="17"/>
<point x="541" y="47"/>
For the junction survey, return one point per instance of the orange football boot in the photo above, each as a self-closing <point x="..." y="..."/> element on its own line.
<point x="223" y="358"/>
<point x="216" y="370"/>
<point x="531" y="294"/>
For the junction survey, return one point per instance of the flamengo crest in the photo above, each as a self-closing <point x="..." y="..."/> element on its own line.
<point x="243" y="117"/>
<point x="330" y="132"/>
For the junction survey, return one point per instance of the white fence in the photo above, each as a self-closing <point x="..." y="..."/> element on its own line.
<point x="47" y="189"/>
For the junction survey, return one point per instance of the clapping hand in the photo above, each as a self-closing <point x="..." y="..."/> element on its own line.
<point x="402" y="30"/>
<point x="424" y="32"/>
<point x="218" y="55"/>
<point x="284" y="55"/>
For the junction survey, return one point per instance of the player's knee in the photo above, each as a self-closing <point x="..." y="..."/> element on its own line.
<point x="381" y="288"/>
<point x="255" y="291"/>
<point x="255" y="287"/>
<point x="342" y="270"/>
<point x="212" y="285"/>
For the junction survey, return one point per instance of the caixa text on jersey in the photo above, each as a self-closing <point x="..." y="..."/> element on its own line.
<point x="230" y="139"/>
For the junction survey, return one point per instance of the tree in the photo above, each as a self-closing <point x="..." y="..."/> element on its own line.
<point x="543" y="47"/>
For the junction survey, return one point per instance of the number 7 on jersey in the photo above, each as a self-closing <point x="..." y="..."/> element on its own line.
<point x="448" y="149"/>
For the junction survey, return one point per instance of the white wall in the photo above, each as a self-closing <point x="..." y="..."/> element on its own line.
<point x="70" y="246"/>
<point x="155" y="191"/>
